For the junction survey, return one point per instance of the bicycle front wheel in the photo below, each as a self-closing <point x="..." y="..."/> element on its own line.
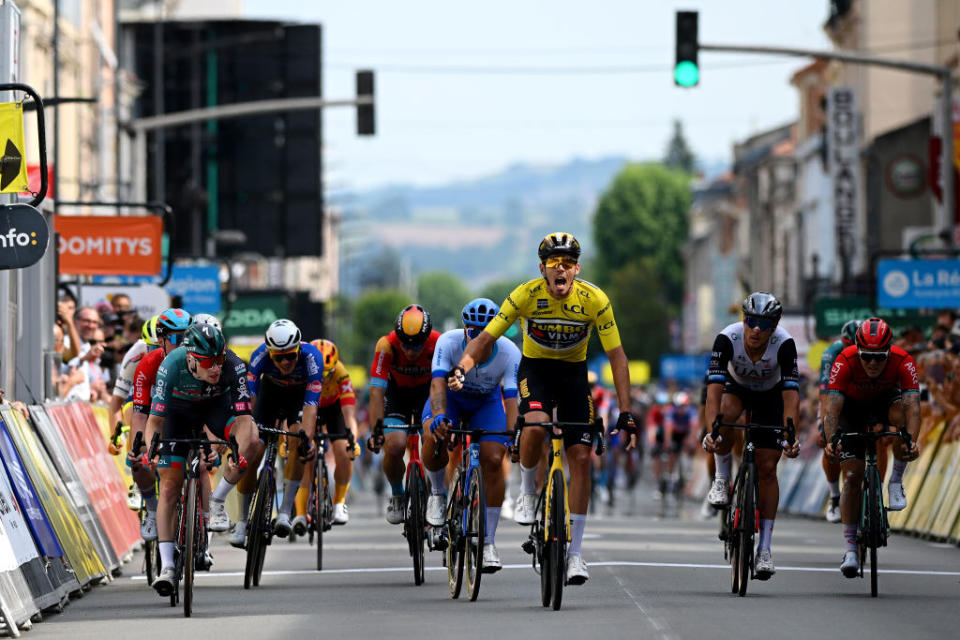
<point x="266" y="528"/>
<point x="318" y="506"/>
<point x="255" y="531"/>
<point x="873" y="525"/>
<point x="188" y="552"/>
<point x="747" y="525"/>
<point x="149" y="566"/>
<point x="415" y="522"/>
<point x="541" y="533"/>
<point x="475" y="533"/>
<point x="558" y="535"/>
<point x="453" y="554"/>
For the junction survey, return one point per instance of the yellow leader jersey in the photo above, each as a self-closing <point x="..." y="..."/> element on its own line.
<point x="557" y="329"/>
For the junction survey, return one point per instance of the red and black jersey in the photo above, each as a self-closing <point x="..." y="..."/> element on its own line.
<point x="144" y="379"/>
<point x="390" y="363"/>
<point x="848" y="377"/>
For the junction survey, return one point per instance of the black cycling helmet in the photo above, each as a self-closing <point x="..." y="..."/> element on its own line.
<point x="762" y="305"/>
<point x="849" y="332"/>
<point x="204" y="340"/>
<point x="413" y="326"/>
<point x="559" y="243"/>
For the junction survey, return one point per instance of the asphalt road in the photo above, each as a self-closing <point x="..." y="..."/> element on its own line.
<point x="650" y="577"/>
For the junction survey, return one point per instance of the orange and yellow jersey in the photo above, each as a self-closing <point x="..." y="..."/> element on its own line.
<point x="557" y="329"/>
<point x="337" y="386"/>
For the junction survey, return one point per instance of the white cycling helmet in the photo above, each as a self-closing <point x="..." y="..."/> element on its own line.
<point x="207" y="318"/>
<point x="282" y="335"/>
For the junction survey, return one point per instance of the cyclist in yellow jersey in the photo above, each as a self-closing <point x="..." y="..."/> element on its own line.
<point x="558" y="313"/>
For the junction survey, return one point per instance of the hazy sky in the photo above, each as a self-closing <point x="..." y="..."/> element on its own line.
<point x="466" y="89"/>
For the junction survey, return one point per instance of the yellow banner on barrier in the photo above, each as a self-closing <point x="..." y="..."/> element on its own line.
<point x="915" y="478"/>
<point x="13" y="169"/>
<point x="948" y="494"/>
<point x="50" y="489"/>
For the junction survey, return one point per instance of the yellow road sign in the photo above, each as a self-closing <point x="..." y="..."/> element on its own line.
<point x="13" y="161"/>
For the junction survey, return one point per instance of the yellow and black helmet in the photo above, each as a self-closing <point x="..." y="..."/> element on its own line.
<point x="559" y="243"/>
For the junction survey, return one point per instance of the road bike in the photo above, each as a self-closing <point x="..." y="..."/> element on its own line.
<point x="872" y="527"/>
<point x="260" y="518"/>
<point x="741" y="521"/>
<point x="415" y="495"/>
<point x="320" y="502"/>
<point x="550" y="532"/>
<point x="190" y="542"/>
<point x="465" y="524"/>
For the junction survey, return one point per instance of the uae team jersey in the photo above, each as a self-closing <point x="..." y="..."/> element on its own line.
<point x="557" y="329"/>
<point x="848" y="377"/>
<point x="483" y="379"/>
<point x="128" y="368"/>
<point x="778" y="363"/>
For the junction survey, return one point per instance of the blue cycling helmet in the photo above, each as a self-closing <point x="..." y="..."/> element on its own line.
<point x="479" y="312"/>
<point x="172" y="321"/>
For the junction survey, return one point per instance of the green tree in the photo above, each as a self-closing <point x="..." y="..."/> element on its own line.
<point x="678" y="155"/>
<point x="635" y="292"/>
<point x="643" y="214"/>
<point x="374" y="313"/>
<point x="443" y="295"/>
<point x="499" y="290"/>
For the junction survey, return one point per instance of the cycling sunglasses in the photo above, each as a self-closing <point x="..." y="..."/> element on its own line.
<point x="556" y="261"/>
<point x="473" y="332"/>
<point x="206" y="362"/>
<point x="756" y="322"/>
<point x="175" y="338"/>
<point x="873" y="356"/>
<point x="285" y="356"/>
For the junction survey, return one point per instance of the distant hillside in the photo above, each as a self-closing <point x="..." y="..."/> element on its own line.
<point x="484" y="229"/>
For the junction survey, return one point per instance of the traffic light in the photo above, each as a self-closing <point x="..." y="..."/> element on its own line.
<point x="686" y="71"/>
<point x="366" y="122"/>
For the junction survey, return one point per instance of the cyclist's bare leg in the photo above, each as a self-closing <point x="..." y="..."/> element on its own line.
<point x="852" y="470"/>
<point x="394" y="446"/>
<point x="730" y="408"/>
<point x="292" y="472"/>
<point x="247" y="484"/>
<point x="767" y="460"/>
<point x="491" y="464"/>
<point x="578" y="459"/>
<point x="171" y="482"/>
<point x="531" y="451"/>
<point x="343" y="470"/>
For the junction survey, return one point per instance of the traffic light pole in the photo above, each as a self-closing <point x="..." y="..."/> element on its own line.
<point x="944" y="223"/>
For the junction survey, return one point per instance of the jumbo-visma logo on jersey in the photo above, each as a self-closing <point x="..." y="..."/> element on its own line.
<point x="558" y="335"/>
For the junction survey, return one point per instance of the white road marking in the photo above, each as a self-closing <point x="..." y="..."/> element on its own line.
<point x="526" y="565"/>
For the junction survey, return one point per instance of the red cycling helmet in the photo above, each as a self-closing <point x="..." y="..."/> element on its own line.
<point x="874" y="335"/>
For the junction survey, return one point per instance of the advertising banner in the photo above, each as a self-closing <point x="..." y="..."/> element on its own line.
<point x="75" y="489"/>
<point x="13" y="169"/>
<point x="62" y="579"/>
<point x="81" y="436"/>
<point x="109" y="245"/>
<point x="74" y="540"/>
<point x="843" y="147"/>
<point x="24" y="236"/>
<point x="24" y="549"/>
<point x="915" y="284"/>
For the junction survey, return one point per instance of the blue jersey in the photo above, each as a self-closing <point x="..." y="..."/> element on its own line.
<point x="483" y="379"/>
<point x="307" y="373"/>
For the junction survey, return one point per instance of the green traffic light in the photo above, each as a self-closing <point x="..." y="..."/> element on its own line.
<point x="686" y="74"/>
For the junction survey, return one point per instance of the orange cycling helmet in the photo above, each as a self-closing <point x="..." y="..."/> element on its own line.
<point x="329" y="354"/>
<point x="413" y="326"/>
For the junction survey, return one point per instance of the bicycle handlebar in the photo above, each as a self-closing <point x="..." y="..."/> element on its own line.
<point x="596" y="426"/>
<point x="788" y="430"/>
<point x="903" y="434"/>
<point x="205" y="443"/>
